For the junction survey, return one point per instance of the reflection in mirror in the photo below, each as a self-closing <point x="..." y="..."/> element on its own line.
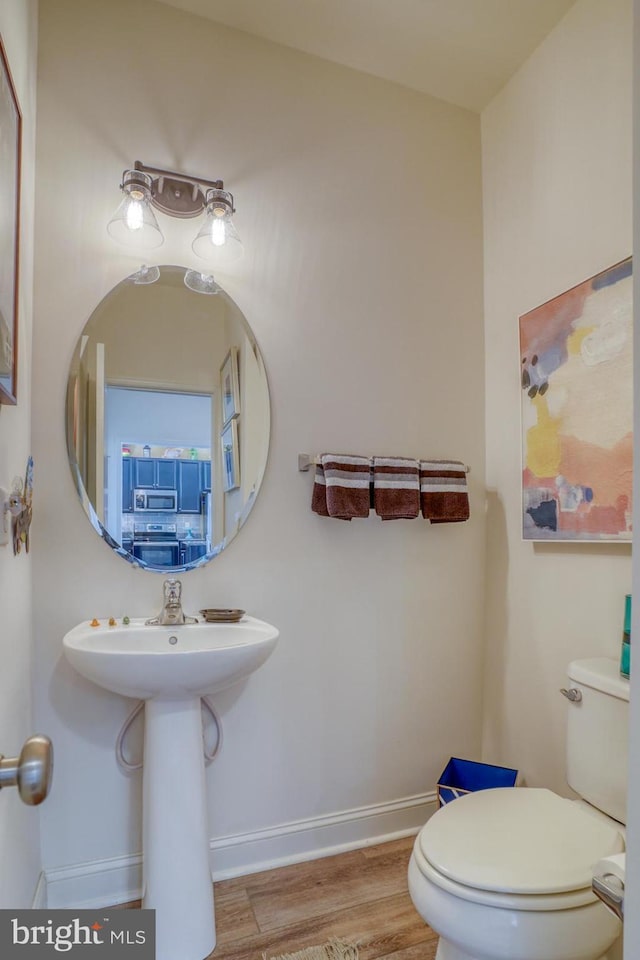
<point x="167" y="421"/>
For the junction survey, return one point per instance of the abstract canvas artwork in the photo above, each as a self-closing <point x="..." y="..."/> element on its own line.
<point x="576" y="370"/>
<point x="10" y="145"/>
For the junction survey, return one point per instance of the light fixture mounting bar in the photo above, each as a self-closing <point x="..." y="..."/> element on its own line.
<point x="168" y="193"/>
<point x="157" y="172"/>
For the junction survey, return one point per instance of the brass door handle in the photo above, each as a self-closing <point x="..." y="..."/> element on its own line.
<point x="31" y="772"/>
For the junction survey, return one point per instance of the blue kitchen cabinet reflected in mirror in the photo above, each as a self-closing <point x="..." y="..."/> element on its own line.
<point x="190" y="486"/>
<point x="144" y="422"/>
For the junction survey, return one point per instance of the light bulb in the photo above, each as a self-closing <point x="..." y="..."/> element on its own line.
<point x="218" y="230"/>
<point x="135" y="211"/>
<point x="134" y="222"/>
<point x="218" y="242"/>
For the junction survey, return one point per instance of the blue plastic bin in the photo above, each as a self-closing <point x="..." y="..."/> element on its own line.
<point x="466" y="776"/>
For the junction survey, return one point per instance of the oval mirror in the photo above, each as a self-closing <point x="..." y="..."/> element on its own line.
<point x="167" y="419"/>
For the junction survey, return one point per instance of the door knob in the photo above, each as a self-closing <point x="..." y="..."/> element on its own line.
<point x="31" y="772"/>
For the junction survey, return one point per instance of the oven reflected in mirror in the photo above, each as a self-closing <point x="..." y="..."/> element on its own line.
<point x="167" y="421"/>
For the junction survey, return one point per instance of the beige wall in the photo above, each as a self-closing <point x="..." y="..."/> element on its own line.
<point x="359" y="203"/>
<point x="19" y="825"/>
<point x="556" y="155"/>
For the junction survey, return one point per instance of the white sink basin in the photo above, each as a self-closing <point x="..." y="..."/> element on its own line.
<point x="171" y="668"/>
<point x="175" y="662"/>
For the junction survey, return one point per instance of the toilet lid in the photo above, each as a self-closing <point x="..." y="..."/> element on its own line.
<point x="517" y="840"/>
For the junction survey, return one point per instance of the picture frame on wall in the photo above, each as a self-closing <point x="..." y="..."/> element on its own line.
<point x="230" y="386"/>
<point x="230" y="458"/>
<point x="10" y="171"/>
<point x="576" y="378"/>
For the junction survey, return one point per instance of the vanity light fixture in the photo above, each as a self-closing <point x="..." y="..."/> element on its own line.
<point x="176" y="195"/>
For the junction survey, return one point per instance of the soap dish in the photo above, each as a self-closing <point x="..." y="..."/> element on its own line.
<point x="213" y="615"/>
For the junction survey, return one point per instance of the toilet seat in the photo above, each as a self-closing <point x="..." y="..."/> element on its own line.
<point x="522" y="848"/>
<point x="535" y="903"/>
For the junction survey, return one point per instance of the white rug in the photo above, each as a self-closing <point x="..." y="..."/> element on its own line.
<point x="333" y="950"/>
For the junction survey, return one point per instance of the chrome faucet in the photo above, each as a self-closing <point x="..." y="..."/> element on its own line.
<point x="172" y="613"/>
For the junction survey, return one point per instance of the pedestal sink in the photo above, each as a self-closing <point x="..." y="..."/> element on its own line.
<point x="171" y="667"/>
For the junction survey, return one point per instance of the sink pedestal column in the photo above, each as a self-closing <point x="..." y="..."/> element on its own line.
<point x="177" y="878"/>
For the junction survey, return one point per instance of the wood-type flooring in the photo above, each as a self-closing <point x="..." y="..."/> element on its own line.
<point x="360" y="896"/>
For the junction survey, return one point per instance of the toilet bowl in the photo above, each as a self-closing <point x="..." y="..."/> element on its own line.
<point x="505" y="874"/>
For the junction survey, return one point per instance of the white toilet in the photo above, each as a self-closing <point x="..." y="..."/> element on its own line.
<point x="505" y="874"/>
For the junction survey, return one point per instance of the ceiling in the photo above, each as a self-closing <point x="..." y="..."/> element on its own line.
<point x="462" y="51"/>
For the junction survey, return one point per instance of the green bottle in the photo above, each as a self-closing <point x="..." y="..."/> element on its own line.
<point x="625" y="655"/>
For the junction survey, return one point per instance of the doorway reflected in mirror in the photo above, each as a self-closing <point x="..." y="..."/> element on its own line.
<point x="159" y="474"/>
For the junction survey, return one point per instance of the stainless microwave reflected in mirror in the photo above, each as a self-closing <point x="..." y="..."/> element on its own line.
<point x="167" y="420"/>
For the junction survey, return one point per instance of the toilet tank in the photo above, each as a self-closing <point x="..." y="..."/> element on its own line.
<point x="597" y="735"/>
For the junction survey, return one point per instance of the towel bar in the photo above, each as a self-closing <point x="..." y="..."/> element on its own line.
<point x="307" y="460"/>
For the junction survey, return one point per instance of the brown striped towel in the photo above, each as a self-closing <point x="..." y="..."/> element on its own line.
<point x="347" y="480"/>
<point x="319" y="495"/>
<point x="396" y="488"/>
<point x="444" y="497"/>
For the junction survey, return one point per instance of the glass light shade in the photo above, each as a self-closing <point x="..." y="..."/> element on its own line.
<point x="218" y="242"/>
<point x="200" y="282"/>
<point x="145" y="275"/>
<point x="134" y="222"/>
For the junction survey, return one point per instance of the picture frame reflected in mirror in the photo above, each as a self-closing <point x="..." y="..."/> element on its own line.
<point x="230" y="460"/>
<point x="230" y="386"/>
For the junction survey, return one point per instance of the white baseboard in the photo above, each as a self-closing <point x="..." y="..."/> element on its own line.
<point x="97" y="883"/>
<point x="103" y="883"/>
<point x="316" y="837"/>
<point x="39" y="900"/>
